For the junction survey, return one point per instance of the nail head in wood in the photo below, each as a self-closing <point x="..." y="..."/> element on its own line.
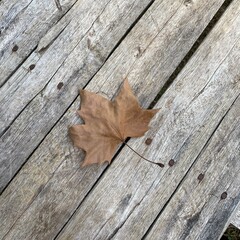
<point x="60" y="85"/>
<point x="32" y="66"/>
<point x="171" y="162"/>
<point x="148" y="141"/>
<point x="15" y="48"/>
<point x="224" y="195"/>
<point x="200" y="177"/>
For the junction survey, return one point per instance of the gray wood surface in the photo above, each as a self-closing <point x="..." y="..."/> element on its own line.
<point x="50" y="186"/>
<point x="131" y="193"/>
<point x="24" y="23"/>
<point x="51" y="103"/>
<point x="33" y="103"/>
<point x="196" y="211"/>
<point x="87" y="21"/>
<point x="236" y="218"/>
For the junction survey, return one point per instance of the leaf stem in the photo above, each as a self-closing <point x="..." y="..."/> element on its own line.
<point x="159" y="164"/>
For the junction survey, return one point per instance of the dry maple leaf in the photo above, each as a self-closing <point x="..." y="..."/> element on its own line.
<point x="108" y="123"/>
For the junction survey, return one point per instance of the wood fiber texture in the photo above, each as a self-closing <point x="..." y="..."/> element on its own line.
<point x="95" y="45"/>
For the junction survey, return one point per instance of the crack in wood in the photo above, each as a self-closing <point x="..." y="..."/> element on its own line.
<point x="193" y="49"/>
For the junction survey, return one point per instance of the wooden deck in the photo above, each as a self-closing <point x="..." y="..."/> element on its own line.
<point x="181" y="56"/>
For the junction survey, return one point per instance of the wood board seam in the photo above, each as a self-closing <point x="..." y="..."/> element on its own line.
<point x="217" y="16"/>
<point x="185" y="175"/>
<point x="34" y="48"/>
<point x="112" y="51"/>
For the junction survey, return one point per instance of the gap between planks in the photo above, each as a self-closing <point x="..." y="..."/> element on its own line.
<point x="189" y="170"/>
<point x="120" y="36"/>
<point x="73" y="106"/>
<point x="48" y="131"/>
<point x="237" y="88"/>
<point x="14" y="59"/>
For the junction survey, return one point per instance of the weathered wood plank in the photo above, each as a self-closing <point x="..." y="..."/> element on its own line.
<point x="24" y="23"/>
<point x="87" y="41"/>
<point x="190" y="112"/>
<point x="22" y="87"/>
<point x="43" y="209"/>
<point x="196" y="210"/>
<point x="51" y="102"/>
<point x="233" y="220"/>
<point x="236" y="218"/>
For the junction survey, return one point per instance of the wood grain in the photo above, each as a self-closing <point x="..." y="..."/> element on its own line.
<point x="23" y="23"/>
<point x="49" y="104"/>
<point x="34" y="98"/>
<point x="198" y="210"/>
<point x="57" y="50"/>
<point x="131" y="193"/>
<point x="50" y="186"/>
<point x="236" y="218"/>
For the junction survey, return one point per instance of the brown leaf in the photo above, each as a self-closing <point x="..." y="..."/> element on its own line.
<point x="108" y="123"/>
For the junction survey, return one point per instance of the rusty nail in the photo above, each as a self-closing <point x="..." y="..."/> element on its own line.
<point x="148" y="141"/>
<point x="200" y="177"/>
<point x="15" y="48"/>
<point x="171" y="162"/>
<point x="224" y="195"/>
<point x="32" y="66"/>
<point x="60" y="85"/>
